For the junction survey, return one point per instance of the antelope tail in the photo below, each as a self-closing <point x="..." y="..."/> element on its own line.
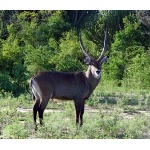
<point x="32" y="94"/>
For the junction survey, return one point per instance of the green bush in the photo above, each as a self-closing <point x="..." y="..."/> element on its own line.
<point x="15" y="130"/>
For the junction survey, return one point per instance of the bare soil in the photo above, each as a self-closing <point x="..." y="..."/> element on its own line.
<point x="125" y="114"/>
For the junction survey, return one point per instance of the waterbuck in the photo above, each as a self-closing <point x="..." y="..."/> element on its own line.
<point x="76" y="86"/>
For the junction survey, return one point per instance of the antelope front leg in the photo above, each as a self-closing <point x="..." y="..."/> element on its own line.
<point x="77" y="111"/>
<point x="81" y="112"/>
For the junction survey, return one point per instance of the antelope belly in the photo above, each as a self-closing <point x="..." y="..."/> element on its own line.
<point x="63" y="93"/>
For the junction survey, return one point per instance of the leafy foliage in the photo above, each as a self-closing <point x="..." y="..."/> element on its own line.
<point x="33" y="41"/>
<point x="127" y="47"/>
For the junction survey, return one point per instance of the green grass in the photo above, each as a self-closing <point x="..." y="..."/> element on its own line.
<point x="120" y="114"/>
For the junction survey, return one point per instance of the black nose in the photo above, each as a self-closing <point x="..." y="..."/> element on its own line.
<point x="98" y="71"/>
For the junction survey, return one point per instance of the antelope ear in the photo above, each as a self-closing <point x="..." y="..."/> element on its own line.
<point x="88" y="61"/>
<point x="104" y="59"/>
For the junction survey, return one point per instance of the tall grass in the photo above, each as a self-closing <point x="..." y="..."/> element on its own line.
<point x="120" y="114"/>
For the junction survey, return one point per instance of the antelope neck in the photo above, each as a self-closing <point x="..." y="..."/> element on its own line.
<point x="91" y="80"/>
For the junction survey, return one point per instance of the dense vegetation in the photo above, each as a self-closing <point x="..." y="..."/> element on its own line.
<point x="32" y="41"/>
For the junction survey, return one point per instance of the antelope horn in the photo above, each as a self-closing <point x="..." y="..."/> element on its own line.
<point x="105" y="46"/>
<point x="83" y="48"/>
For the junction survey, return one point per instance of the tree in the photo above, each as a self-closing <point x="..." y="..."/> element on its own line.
<point x="110" y="19"/>
<point x="81" y="18"/>
<point x="144" y="17"/>
<point x="127" y="44"/>
<point x="137" y="74"/>
<point x="39" y="40"/>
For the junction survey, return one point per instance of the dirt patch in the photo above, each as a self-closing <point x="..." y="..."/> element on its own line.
<point x="87" y="109"/>
<point x="125" y="114"/>
<point x="24" y="110"/>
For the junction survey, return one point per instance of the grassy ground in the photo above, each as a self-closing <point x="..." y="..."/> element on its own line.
<point x="110" y="113"/>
